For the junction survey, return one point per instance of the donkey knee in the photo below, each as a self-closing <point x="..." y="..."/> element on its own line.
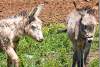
<point x="15" y="61"/>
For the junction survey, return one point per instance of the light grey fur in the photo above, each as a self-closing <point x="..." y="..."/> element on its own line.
<point x="13" y="27"/>
<point x="81" y="26"/>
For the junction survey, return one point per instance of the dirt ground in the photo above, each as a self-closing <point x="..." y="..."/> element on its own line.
<point x="55" y="10"/>
<point x="93" y="55"/>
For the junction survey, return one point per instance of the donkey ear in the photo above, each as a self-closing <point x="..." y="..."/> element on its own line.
<point x="32" y="12"/>
<point x="77" y="27"/>
<point x="39" y="9"/>
<point x="36" y="11"/>
<point x="76" y="30"/>
<point x="74" y="4"/>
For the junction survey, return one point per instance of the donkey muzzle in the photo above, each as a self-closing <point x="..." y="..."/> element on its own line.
<point x="40" y="40"/>
<point x="89" y="39"/>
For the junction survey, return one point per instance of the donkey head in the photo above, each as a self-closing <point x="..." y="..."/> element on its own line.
<point x="87" y="25"/>
<point x="34" y="24"/>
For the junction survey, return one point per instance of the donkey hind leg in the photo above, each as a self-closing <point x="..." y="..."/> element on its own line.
<point x="86" y="52"/>
<point x="13" y="56"/>
<point x="80" y="58"/>
<point x="74" y="59"/>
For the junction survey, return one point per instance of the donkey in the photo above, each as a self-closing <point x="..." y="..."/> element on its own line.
<point x="81" y="27"/>
<point x="12" y="28"/>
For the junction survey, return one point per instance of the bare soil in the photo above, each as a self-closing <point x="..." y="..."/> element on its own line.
<point x="93" y="55"/>
<point x="55" y="10"/>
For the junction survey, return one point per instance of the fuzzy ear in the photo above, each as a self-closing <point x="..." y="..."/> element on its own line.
<point x="74" y="4"/>
<point x="32" y="12"/>
<point x="39" y="9"/>
<point x="36" y="11"/>
<point x="77" y="28"/>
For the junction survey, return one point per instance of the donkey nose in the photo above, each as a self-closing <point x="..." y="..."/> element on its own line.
<point x="41" y="40"/>
<point x="89" y="41"/>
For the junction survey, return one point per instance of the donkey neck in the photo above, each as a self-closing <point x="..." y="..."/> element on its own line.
<point x="15" y="24"/>
<point x="20" y="25"/>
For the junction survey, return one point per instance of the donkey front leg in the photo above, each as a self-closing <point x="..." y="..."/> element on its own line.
<point x="74" y="59"/>
<point x="86" y="53"/>
<point x="80" y="58"/>
<point x="9" y="62"/>
<point x="75" y="54"/>
<point x="13" y="56"/>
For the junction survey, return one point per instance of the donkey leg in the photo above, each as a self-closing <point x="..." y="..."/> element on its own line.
<point x="74" y="59"/>
<point x="12" y="54"/>
<point x="82" y="61"/>
<point x="86" y="52"/>
<point x="80" y="58"/>
<point x="9" y="62"/>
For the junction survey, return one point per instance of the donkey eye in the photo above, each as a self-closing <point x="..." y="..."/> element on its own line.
<point x="85" y="27"/>
<point x="91" y="28"/>
<point x="33" y="27"/>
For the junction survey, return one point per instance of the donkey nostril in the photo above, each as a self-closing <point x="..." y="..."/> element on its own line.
<point x="89" y="41"/>
<point x="40" y="40"/>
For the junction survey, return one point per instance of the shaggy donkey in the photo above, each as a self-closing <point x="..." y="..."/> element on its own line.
<point x="13" y="27"/>
<point x="81" y="26"/>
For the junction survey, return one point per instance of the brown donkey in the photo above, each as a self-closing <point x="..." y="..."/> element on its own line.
<point x="13" y="27"/>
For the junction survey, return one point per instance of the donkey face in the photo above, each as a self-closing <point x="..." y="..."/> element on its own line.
<point x="35" y="24"/>
<point x="34" y="29"/>
<point x="87" y="27"/>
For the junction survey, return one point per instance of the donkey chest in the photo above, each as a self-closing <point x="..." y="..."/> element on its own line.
<point x="80" y="43"/>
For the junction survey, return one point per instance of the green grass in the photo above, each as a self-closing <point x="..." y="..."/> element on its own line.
<point x="54" y="51"/>
<point x="94" y="63"/>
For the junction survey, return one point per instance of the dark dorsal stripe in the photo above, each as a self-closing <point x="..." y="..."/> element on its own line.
<point x="23" y="13"/>
<point x="88" y="9"/>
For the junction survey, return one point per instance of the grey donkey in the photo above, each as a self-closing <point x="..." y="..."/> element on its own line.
<point x="12" y="28"/>
<point x="81" y="27"/>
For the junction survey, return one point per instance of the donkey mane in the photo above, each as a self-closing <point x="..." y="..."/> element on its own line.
<point x="87" y="9"/>
<point x="23" y="13"/>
